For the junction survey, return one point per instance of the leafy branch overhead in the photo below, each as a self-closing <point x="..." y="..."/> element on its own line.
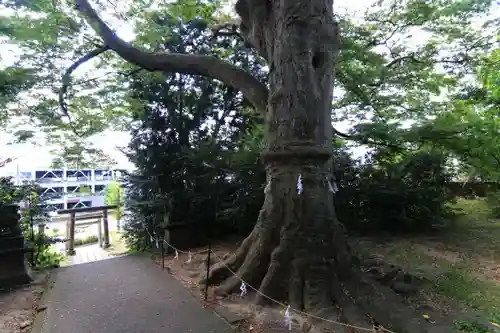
<point x="254" y="90"/>
<point x="399" y="67"/>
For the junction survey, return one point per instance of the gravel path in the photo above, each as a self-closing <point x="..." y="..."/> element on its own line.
<point x="124" y="295"/>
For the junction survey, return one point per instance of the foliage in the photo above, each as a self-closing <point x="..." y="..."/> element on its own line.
<point x="476" y="112"/>
<point x="87" y="240"/>
<point x="385" y="81"/>
<point x="34" y="213"/>
<point x="8" y="192"/>
<point x="115" y="195"/>
<point x="404" y="196"/>
<point x="13" y="80"/>
<point x="181" y="141"/>
<point x="240" y="206"/>
<point x="79" y="154"/>
<point x="493" y="200"/>
<point x="471" y="327"/>
<point x="45" y="255"/>
<point x="489" y="75"/>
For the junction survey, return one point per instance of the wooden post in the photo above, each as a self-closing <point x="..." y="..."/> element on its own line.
<point x="105" y="228"/>
<point x="41" y="228"/>
<point x="70" y="235"/>
<point x="68" y="223"/>
<point x="99" y="232"/>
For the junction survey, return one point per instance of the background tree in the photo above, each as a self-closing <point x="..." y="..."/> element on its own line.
<point x="115" y="195"/>
<point x="183" y="135"/>
<point x="81" y="155"/>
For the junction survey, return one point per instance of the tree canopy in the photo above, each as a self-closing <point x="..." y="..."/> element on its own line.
<point x="400" y="65"/>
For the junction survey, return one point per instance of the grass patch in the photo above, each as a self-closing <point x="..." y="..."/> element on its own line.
<point x="474" y="229"/>
<point x="461" y="285"/>
<point x="472" y="327"/>
<point x="117" y="245"/>
<point x="92" y="239"/>
<point x="462" y="264"/>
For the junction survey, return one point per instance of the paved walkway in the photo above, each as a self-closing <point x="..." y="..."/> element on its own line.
<point x="124" y="295"/>
<point x="87" y="254"/>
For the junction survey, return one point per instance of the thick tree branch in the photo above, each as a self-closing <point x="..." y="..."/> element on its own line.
<point x="253" y="90"/>
<point x="254" y="16"/>
<point x="226" y="29"/>
<point x="5" y="160"/>
<point x="66" y="81"/>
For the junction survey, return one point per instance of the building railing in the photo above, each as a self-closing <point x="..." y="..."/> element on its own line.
<point x="48" y="196"/>
<point x="71" y="179"/>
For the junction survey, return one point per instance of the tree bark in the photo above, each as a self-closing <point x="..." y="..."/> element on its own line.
<point x="298" y="252"/>
<point x="297" y="238"/>
<point x="297" y="243"/>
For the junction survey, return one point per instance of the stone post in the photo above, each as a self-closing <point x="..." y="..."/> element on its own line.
<point x="99" y="231"/>
<point x="13" y="268"/>
<point x="70" y="235"/>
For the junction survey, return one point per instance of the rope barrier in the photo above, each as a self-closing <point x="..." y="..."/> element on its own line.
<point x="220" y="260"/>
<point x="185" y="252"/>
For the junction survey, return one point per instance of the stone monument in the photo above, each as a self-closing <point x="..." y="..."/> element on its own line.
<point x="13" y="267"/>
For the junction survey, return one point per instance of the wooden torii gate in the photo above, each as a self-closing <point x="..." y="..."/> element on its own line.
<point x="70" y="224"/>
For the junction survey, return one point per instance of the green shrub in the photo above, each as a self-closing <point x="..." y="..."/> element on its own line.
<point x="493" y="201"/>
<point x="404" y="196"/>
<point x="87" y="240"/>
<point x="49" y="258"/>
<point x="44" y="253"/>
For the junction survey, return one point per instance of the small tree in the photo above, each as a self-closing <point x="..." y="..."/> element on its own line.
<point x="33" y="213"/>
<point x="85" y="190"/>
<point x="115" y="195"/>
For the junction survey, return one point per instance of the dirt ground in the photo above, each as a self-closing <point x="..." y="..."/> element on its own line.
<point x="251" y="318"/>
<point x="271" y="320"/>
<point x="461" y="270"/>
<point x="19" y="307"/>
<point x="461" y="265"/>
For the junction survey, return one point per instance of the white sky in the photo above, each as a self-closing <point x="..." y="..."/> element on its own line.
<point x="31" y="157"/>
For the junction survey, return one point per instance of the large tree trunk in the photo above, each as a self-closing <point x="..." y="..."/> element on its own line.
<point x="297" y="237"/>
<point x="297" y="252"/>
<point x="298" y="246"/>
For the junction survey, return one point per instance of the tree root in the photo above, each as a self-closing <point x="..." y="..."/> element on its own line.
<point x="298" y="254"/>
<point x="222" y="270"/>
<point x="356" y="301"/>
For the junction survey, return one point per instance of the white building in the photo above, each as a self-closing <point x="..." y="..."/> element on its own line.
<point x="66" y="189"/>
